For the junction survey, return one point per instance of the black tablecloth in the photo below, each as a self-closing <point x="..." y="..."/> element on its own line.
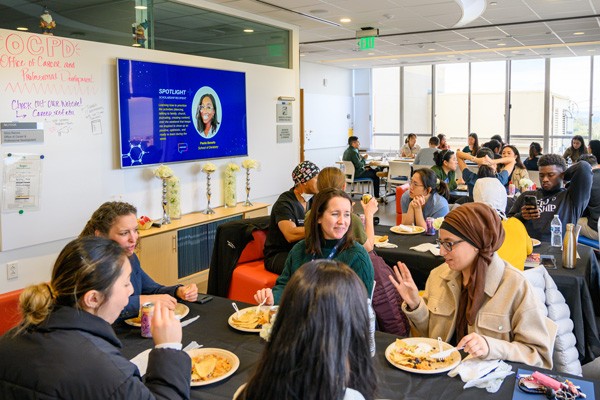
<point x="212" y="330"/>
<point x="580" y="286"/>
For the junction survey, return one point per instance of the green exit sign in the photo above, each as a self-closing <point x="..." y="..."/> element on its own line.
<point x="367" y="43"/>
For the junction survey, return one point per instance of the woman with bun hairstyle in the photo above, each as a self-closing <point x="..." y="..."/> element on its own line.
<point x="476" y="300"/>
<point x="328" y="236"/>
<point x="473" y="146"/>
<point x="445" y="168"/>
<point x="117" y="220"/>
<point x="487" y="167"/>
<point x="319" y="346"/>
<point x="427" y="197"/>
<point x="519" y="171"/>
<point x="65" y="347"/>
<point x="535" y="152"/>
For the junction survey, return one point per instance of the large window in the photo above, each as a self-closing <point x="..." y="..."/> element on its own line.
<point x="452" y="101"/>
<point x="417" y="101"/>
<point x="596" y="100"/>
<point x="488" y="89"/>
<point x="527" y="103"/>
<point x="570" y="101"/>
<point x="386" y="108"/>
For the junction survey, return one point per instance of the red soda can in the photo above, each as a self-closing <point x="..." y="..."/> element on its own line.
<point x="430" y="229"/>
<point x="147" y="314"/>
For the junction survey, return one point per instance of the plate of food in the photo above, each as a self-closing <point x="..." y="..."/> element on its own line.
<point x="535" y="242"/>
<point x="462" y="188"/>
<point x="414" y="355"/>
<point x="249" y="320"/>
<point x="181" y="310"/>
<point x="407" y="229"/>
<point x="212" y="365"/>
<point x="381" y="239"/>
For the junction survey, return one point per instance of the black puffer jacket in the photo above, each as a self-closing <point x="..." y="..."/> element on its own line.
<point x="75" y="355"/>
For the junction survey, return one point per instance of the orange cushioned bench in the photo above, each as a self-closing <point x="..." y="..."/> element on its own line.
<point x="10" y="315"/>
<point x="250" y="274"/>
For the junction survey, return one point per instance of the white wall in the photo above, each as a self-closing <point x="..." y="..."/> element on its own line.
<point x="328" y="102"/>
<point x="362" y="106"/>
<point x="263" y="84"/>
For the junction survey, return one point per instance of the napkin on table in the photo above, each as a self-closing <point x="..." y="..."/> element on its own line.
<point x="405" y="228"/>
<point x="484" y="374"/>
<point x="386" y="245"/>
<point x="424" y="247"/>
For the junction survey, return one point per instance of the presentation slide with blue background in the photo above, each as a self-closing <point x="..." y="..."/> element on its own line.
<point x="171" y="113"/>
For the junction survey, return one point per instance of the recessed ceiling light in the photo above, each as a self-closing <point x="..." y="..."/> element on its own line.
<point x="345" y="20"/>
<point x="493" y="3"/>
<point x="302" y="54"/>
<point x="22" y="28"/>
<point x="431" y="49"/>
<point x="515" y="51"/>
<point x="141" y="7"/>
<point x="579" y="33"/>
<point x="370" y="54"/>
<point x="591" y="50"/>
<point x="318" y="12"/>
<point x="394" y="59"/>
<point x="136" y="45"/>
<point x="501" y="44"/>
<point x="450" y="55"/>
<point x="354" y="65"/>
<point x="248" y="30"/>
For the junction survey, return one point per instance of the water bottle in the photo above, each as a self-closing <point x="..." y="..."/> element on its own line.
<point x="569" y="162"/>
<point x="371" y="328"/>
<point x="556" y="231"/>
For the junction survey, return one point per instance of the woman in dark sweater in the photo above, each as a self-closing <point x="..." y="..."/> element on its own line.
<point x="65" y="347"/>
<point x="330" y="237"/>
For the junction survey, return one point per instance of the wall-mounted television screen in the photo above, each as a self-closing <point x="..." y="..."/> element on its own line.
<point x="172" y="113"/>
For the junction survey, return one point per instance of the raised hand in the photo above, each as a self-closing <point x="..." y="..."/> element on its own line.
<point x="474" y="344"/>
<point x="165" y="327"/>
<point x="405" y="285"/>
<point x="262" y="294"/>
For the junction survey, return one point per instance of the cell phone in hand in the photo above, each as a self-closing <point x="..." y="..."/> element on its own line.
<point x="548" y="261"/>
<point x="530" y="200"/>
<point x="203" y="298"/>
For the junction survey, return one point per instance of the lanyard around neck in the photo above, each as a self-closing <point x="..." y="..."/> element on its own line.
<point x="331" y="253"/>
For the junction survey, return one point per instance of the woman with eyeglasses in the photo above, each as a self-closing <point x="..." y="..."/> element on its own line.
<point x="427" y="197"/>
<point x="206" y="116"/>
<point x="475" y="300"/>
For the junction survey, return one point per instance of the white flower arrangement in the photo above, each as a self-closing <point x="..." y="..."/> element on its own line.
<point x="163" y="172"/>
<point x="437" y="223"/>
<point x="233" y="167"/>
<point x="525" y="183"/>
<point x="209" y="167"/>
<point x="174" y="197"/>
<point x="250" y="163"/>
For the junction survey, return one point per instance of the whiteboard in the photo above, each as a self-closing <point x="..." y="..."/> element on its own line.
<point x="71" y="87"/>
<point x="325" y="120"/>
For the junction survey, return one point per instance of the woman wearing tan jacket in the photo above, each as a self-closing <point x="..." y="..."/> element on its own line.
<point x="475" y="300"/>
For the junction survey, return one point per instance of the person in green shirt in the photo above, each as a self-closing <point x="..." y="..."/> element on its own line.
<point x="330" y="237"/>
<point x="361" y="170"/>
<point x="445" y="167"/>
<point x="332" y="177"/>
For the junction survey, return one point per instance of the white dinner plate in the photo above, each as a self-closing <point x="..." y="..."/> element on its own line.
<point x="232" y="358"/>
<point x="535" y="242"/>
<point x="433" y="343"/>
<point x="253" y="309"/>
<point x="181" y="310"/>
<point x="417" y="230"/>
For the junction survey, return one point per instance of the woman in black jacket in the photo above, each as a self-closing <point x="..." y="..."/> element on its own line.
<point x="65" y="347"/>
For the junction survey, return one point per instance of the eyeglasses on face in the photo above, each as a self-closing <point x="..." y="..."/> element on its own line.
<point x="207" y="108"/>
<point x="447" y="245"/>
<point x="414" y="183"/>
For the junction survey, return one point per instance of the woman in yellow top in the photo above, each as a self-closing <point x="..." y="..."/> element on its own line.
<point x="517" y="243"/>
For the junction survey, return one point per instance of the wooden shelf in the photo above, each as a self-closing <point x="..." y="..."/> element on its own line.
<point x="258" y="209"/>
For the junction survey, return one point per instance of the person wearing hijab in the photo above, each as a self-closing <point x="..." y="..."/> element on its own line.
<point x="517" y="243"/>
<point x="475" y="299"/>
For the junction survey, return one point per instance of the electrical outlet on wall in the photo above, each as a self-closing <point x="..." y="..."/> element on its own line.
<point x="12" y="270"/>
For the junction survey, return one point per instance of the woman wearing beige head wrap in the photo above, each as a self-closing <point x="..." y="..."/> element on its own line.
<point x="476" y="300"/>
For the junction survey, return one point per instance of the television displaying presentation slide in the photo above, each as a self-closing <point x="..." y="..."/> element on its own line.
<point x="172" y="113"/>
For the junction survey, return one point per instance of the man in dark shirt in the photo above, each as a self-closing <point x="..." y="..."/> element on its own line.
<point x="286" y="226"/>
<point x="552" y="198"/>
<point x="360" y="170"/>
<point x="589" y="222"/>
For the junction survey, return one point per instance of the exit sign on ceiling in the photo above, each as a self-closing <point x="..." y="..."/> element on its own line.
<point x="367" y="43"/>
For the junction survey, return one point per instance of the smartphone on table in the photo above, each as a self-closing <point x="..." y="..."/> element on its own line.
<point x="548" y="261"/>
